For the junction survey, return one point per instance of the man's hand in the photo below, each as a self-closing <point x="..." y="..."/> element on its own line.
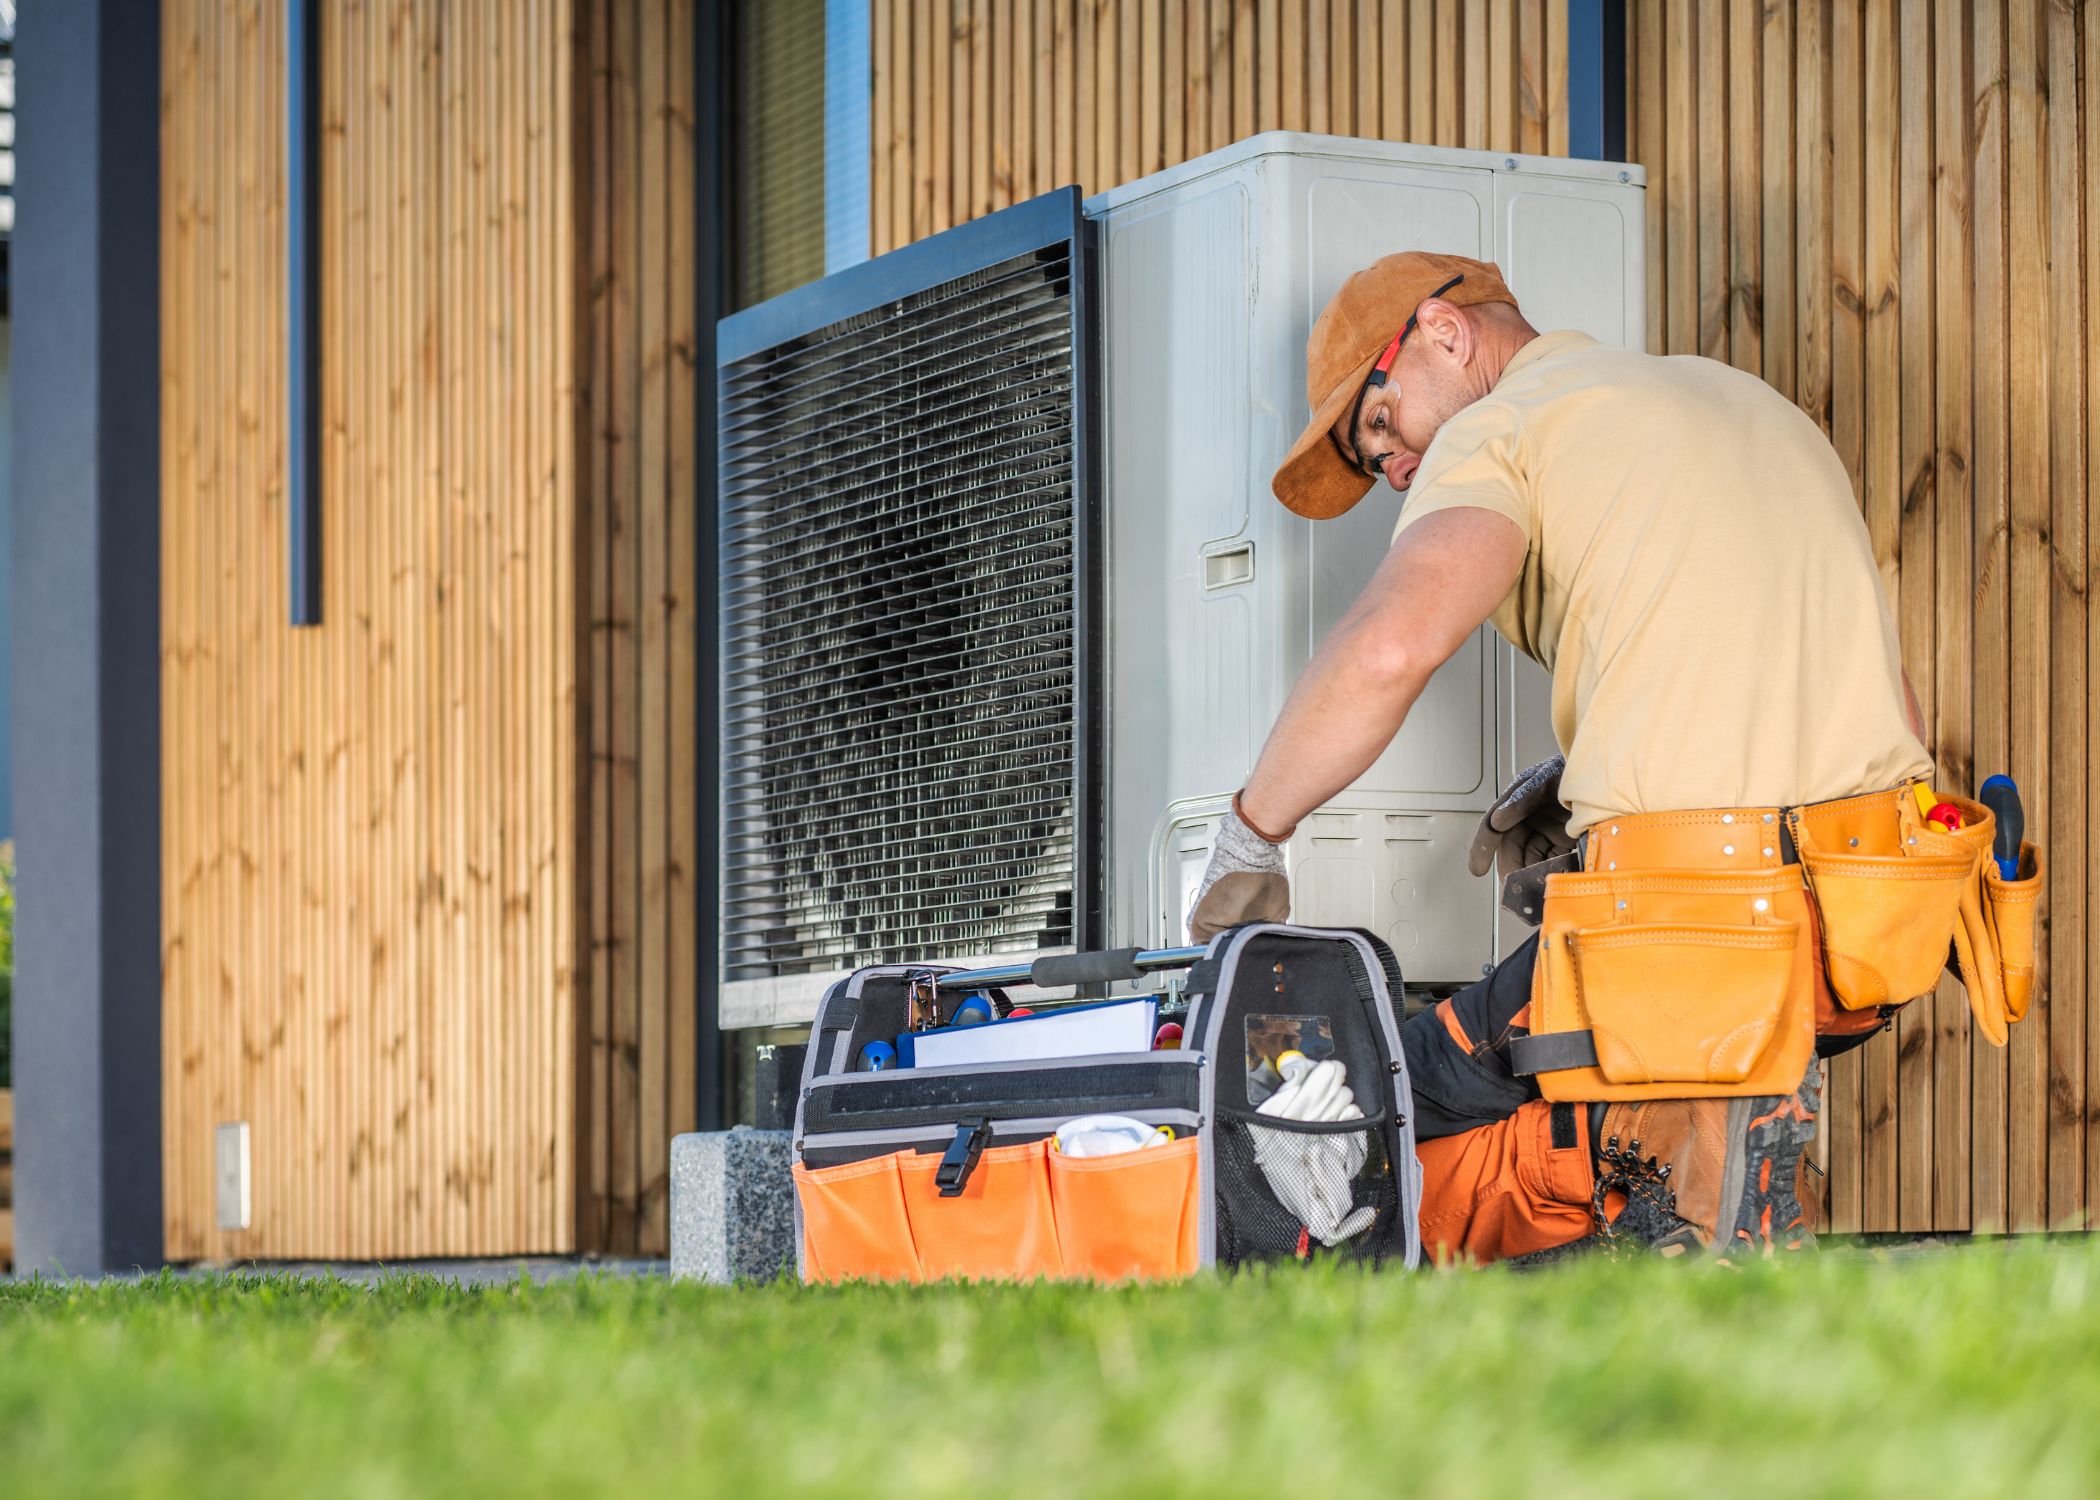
<point x="1526" y="824"/>
<point x="1244" y="882"/>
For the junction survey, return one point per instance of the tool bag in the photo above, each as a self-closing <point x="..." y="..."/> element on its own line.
<point x="920" y="1173"/>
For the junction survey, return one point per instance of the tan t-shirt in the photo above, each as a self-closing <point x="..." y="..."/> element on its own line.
<point x="1699" y="581"/>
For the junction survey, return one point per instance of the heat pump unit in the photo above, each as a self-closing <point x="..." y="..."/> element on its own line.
<point x="1007" y="606"/>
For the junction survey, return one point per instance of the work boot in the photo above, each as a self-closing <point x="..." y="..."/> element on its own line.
<point x="1736" y="1170"/>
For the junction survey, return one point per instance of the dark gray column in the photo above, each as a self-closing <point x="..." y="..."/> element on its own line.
<point x="712" y="50"/>
<point x="86" y="602"/>
<point x="1597" y="79"/>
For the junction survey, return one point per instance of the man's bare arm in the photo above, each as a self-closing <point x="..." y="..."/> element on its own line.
<point x="1441" y="580"/>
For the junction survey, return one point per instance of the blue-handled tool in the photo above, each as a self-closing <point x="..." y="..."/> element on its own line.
<point x="2002" y="797"/>
<point x="877" y="1057"/>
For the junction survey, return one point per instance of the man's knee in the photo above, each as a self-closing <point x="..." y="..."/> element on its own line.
<point x="1456" y="1057"/>
<point x="1515" y="1187"/>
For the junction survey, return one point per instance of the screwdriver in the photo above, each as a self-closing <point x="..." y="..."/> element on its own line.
<point x="2002" y="797"/>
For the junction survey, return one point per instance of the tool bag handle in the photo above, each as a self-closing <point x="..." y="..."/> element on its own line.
<point x="1106" y="966"/>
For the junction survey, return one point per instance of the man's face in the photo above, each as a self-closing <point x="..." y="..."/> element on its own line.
<point x="1370" y="436"/>
<point x="1393" y="425"/>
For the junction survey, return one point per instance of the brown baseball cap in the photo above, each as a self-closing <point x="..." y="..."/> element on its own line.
<point x="1347" y="339"/>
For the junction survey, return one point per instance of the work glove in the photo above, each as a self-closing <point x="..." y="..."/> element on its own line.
<point x="1526" y="824"/>
<point x="1314" y="1176"/>
<point x="1244" y="882"/>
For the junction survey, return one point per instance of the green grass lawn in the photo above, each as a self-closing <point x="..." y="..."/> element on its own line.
<point x="1965" y="1372"/>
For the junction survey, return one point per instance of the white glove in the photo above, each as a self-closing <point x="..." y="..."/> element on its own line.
<point x="1108" y="1135"/>
<point x="1313" y="1175"/>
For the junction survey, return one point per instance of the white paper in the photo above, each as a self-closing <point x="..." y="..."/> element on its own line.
<point x="1123" y="1027"/>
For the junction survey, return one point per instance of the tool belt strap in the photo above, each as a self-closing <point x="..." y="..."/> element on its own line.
<point x="1551" y="1052"/>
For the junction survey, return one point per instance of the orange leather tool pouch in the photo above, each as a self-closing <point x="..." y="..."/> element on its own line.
<point x="1894" y="891"/>
<point x="1889" y="890"/>
<point x="1689" y="983"/>
<point x="2012" y="904"/>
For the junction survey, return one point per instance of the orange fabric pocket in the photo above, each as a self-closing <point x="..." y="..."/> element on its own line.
<point x="1677" y="1003"/>
<point x="853" y="1223"/>
<point x="1025" y="1212"/>
<point x="2012" y="914"/>
<point x="999" y="1225"/>
<point x="1132" y="1215"/>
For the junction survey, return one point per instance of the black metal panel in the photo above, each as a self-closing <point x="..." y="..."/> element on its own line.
<point x="907" y="595"/>
<point x="302" y="191"/>
<point x="1597" y="79"/>
<point x="713" y="124"/>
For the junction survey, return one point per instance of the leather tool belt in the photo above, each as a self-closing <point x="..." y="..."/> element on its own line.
<point x="1697" y="954"/>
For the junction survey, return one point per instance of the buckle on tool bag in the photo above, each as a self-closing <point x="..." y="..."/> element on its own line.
<point x="922" y="1002"/>
<point x="960" y="1159"/>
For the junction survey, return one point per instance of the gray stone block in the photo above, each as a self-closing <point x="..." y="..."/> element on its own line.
<point x="732" y="1204"/>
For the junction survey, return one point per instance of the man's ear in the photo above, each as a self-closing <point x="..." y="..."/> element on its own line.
<point x="1449" y="330"/>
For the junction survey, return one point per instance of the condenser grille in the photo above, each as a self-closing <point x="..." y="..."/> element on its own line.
<point x="900" y="594"/>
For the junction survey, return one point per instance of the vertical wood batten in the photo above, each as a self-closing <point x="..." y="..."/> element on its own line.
<point x="652" y="931"/>
<point x="1422" y="68"/>
<point x="1395" y="64"/>
<point x="678" y="23"/>
<point x="681" y="661"/>
<point x="1777" y="110"/>
<point x="1501" y="69"/>
<point x="1910" y="1143"/>
<point x="1953" y="709"/>
<point x="2029" y="447"/>
<point x="1886" y="519"/>
<point x="1340" y="66"/>
<point x="1812" y="209"/>
<point x="882" y="87"/>
<point x="1845" y="1103"/>
<point x="2089" y="114"/>
<point x="1711" y="93"/>
<point x="178" y="985"/>
<point x="1451" y="72"/>
<point x="1745" y="186"/>
<point x="2063" y="1008"/>
<point x="1990" y="524"/>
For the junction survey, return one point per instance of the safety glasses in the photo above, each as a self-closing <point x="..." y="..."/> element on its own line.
<point x="1384" y="368"/>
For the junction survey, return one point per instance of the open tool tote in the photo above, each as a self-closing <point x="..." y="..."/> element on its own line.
<point x="929" y="1172"/>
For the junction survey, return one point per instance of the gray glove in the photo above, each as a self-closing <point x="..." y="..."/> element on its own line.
<point x="1244" y="882"/>
<point x="1526" y="824"/>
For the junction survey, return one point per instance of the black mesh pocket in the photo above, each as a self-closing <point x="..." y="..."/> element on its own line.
<point x="1276" y="1178"/>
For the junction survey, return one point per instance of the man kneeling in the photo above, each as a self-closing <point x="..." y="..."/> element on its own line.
<point x="1679" y="545"/>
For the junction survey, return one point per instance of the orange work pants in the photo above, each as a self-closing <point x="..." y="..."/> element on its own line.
<point x="1508" y="1188"/>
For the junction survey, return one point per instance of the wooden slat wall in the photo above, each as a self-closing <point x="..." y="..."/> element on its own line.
<point x="370" y="849"/>
<point x="636" y="1080"/>
<point x="1886" y="210"/>
<point x="982" y="103"/>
